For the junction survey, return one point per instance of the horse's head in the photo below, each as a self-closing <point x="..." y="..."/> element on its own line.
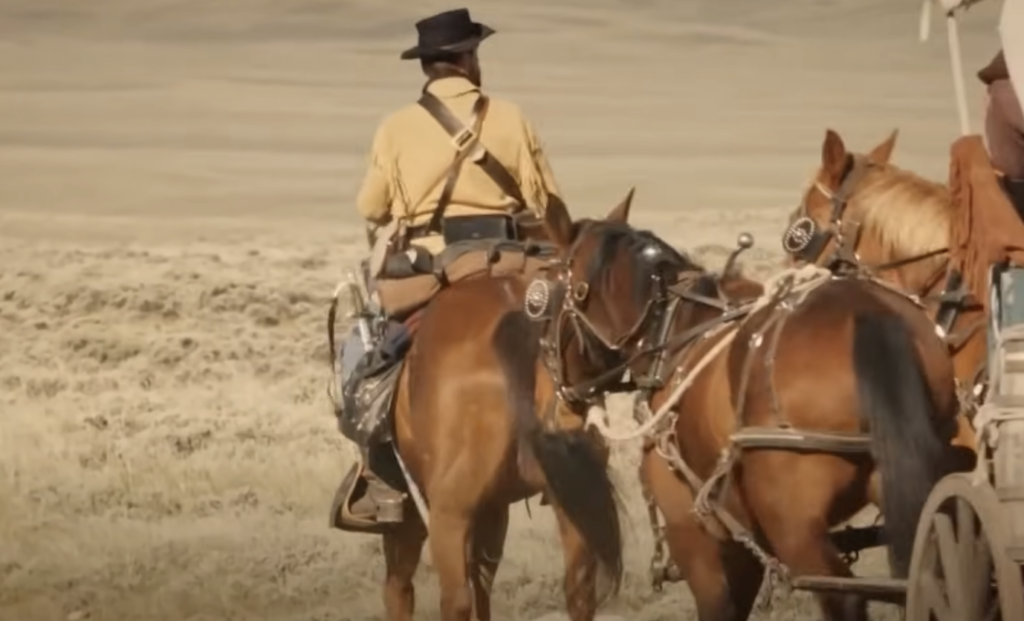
<point x="861" y="210"/>
<point x="820" y="229"/>
<point x="604" y="292"/>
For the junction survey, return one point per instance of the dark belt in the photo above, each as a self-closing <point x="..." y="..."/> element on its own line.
<point x="464" y="228"/>
<point x="415" y="232"/>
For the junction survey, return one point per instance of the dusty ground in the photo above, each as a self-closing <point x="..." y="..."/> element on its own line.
<point x="176" y="180"/>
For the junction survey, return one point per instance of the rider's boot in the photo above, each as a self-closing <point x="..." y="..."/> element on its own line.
<point x="381" y="502"/>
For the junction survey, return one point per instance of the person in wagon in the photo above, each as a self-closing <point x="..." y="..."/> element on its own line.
<point x="416" y="185"/>
<point x="1004" y="127"/>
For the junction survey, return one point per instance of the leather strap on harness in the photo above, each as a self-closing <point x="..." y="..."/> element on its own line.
<point x="463" y="137"/>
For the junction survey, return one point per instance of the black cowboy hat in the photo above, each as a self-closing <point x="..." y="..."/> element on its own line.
<point x="450" y="32"/>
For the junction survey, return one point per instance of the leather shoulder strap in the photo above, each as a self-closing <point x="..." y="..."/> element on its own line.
<point x="450" y="172"/>
<point x="462" y="136"/>
<point x="468" y="141"/>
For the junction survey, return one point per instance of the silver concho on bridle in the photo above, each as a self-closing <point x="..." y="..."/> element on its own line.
<point x="537" y="303"/>
<point x="651" y="253"/>
<point x="799" y="235"/>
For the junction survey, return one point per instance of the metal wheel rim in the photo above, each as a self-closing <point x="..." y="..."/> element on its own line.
<point x="961" y="532"/>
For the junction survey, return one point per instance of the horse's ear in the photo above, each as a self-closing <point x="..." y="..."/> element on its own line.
<point x="882" y="153"/>
<point x="620" y="215"/>
<point x="833" y="154"/>
<point x="558" y="222"/>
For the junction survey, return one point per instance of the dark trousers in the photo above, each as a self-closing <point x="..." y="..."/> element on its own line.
<point x="1004" y="129"/>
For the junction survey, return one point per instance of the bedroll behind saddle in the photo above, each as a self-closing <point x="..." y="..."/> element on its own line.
<point x="402" y="292"/>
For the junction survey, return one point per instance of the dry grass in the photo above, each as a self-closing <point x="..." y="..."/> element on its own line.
<point x="165" y="437"/>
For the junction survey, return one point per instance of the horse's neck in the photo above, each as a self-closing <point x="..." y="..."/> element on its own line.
<point x="911" y="273"/>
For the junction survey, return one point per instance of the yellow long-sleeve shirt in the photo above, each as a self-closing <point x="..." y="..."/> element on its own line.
<point x="411" y="151"/>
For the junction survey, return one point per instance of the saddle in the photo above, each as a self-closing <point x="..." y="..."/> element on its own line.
<point x="403" y="293"/>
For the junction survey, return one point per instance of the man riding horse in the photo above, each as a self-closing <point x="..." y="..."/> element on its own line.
<point x="456" y="165"/>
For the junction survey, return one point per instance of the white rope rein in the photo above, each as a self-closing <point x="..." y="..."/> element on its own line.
<point x="795" y="280"/>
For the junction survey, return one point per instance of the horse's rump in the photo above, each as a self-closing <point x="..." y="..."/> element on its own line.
<point x="401" y="295"/>
<point x="788" y="334"/>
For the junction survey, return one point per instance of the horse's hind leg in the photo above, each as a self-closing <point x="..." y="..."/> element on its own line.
<point x="723" y="578"/>
<point x="803" y="545"/>
<point x="488" y="547"/>
<point x="797" y="523"/>
<point x="402" y="549"/>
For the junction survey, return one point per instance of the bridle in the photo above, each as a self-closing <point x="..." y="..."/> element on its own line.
<point x="559" y="301"/>
<point x="806" y="241"/>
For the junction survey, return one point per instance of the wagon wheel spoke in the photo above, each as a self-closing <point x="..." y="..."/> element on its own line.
<point x="949" y="561"/>
<point x="975" y="560"/>
<point x="966" y="531"/>
<point x="935" y="601"/>
<point x="980" y="570"/>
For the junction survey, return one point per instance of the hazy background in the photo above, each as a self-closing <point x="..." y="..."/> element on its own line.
<point x="176" y="188"/>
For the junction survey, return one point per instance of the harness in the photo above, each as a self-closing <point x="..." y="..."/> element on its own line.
<point x="555" y="299"/>
<point x="806" y="241"/>
<point x="559" y="300"/>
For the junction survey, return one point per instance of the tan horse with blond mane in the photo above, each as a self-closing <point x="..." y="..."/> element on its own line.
<point x="863" y="214"/>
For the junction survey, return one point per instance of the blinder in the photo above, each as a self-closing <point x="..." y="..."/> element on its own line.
<point x="804" y="240"/>
<point x="543" y="299"/>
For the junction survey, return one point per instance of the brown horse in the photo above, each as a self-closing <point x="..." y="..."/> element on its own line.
<point x="471" y="455"/>
<point x="862" y="212"/>
<point x="796" y="408"/>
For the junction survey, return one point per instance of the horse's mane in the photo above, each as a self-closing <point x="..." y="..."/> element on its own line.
<point x="908" y="214"/>
<point x="614" y="237"/>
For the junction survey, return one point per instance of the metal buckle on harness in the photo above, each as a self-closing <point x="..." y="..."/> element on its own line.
<point x="463" y="139"/>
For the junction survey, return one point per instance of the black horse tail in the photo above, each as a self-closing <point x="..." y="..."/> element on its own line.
<point x="573" y="462"/>
<point x="901" y="414"/>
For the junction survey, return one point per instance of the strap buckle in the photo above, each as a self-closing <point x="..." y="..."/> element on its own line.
<point x="463" y="139"/>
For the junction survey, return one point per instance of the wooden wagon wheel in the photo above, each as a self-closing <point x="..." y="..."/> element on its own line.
<point x="960" y="570"/>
